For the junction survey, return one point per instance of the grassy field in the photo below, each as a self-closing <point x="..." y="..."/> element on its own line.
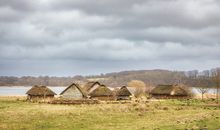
<point x="154" y="115"/>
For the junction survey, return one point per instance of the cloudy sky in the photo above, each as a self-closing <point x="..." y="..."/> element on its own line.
<point x="70" y="37"/>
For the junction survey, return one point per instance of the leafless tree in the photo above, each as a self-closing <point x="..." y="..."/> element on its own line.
<point x="139" y="86"/>
<point x="216" y="80"/>
<point x="202" y="84"/>
<point x="192" y="74"/>
<point x="203" y="91"/>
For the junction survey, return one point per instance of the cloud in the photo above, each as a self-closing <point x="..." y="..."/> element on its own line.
<point x="112" y="49"/>
<point x="153" y="33"/>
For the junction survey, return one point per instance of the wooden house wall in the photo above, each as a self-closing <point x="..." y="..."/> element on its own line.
<point x="123" y="98"/>
<point x="158" y="96"/>
<point x="104" y="98"/>
<point x="38" y="97"/>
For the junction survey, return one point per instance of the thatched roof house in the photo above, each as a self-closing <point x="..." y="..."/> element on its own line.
<point x="102" y="93"/>
<point x="90" y="86"/>
<point x="40" y="92"/>
<point x="123" y="93"/>
<point x="74" y="91"/>
<point x="168" y="91"/>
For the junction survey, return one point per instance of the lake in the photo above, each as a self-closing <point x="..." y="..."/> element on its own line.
<point x="210" y="91"/>
<point x="21" y="90"/>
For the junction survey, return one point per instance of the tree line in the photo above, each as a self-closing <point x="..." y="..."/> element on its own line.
<point x="41" y="80"/>
<point x="194" y="78"/>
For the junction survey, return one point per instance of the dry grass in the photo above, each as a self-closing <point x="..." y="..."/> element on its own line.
<point x="163" y="115"/>
<point x="206" y="96"/>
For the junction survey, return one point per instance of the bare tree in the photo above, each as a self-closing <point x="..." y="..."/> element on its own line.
<point x="203" y="91"/>
<point x="216" y="80"/>
<point x="206" y="73"/>
<point x="139" y="86"/>
<point x="136" y="84"/>
<point x="192" y="74"/>
<point x="202" y="84"/>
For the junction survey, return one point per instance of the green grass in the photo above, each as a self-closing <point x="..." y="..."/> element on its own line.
<point x="163" y="115"/>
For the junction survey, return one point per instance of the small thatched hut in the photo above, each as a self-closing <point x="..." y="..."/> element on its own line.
<point x="90" y="86"/>
<point x="74" y="91"/>
<point x="169" y="91"/>
<point x="102" y="93"/>
<point x="40" y="92"/>
<point x="123" y="94"/>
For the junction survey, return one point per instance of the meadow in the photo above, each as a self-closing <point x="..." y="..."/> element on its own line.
<point x="17" y="114"/>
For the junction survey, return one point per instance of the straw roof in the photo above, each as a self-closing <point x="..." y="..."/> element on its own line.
<point x="123" y="91"/>
<point x="132" y="90"/>
<point x="89" y="85"/>
<point x="102" y="90"/>
<point x="40" y="91"/>
<point x="74" y="85"/>
<point x="173" y="90"/>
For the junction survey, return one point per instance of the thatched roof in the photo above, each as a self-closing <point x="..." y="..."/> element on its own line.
<point x="102" y="90"/>
<point x="123" y="91"/>
<point x="40" y="91"/>
<point x="74" y="85"/>
<point x="89" y="85"/>
<point x="132" y="90"/>
<point x="173" y="90"/>
<point x="111" y="88"/>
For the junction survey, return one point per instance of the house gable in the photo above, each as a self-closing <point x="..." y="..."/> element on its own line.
<point x="73" y="92"/>
<point x="95" y="86"/>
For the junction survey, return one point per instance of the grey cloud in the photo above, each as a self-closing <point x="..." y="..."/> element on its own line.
<point x="7" y="14"/>
<point x="152" y="33"/>
<point x="112" y="49"/>
<point x="192" y="14"/>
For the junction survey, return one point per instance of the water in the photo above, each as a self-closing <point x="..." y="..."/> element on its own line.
<point x="20" y="90"/>
<point x="210" y="91"/>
